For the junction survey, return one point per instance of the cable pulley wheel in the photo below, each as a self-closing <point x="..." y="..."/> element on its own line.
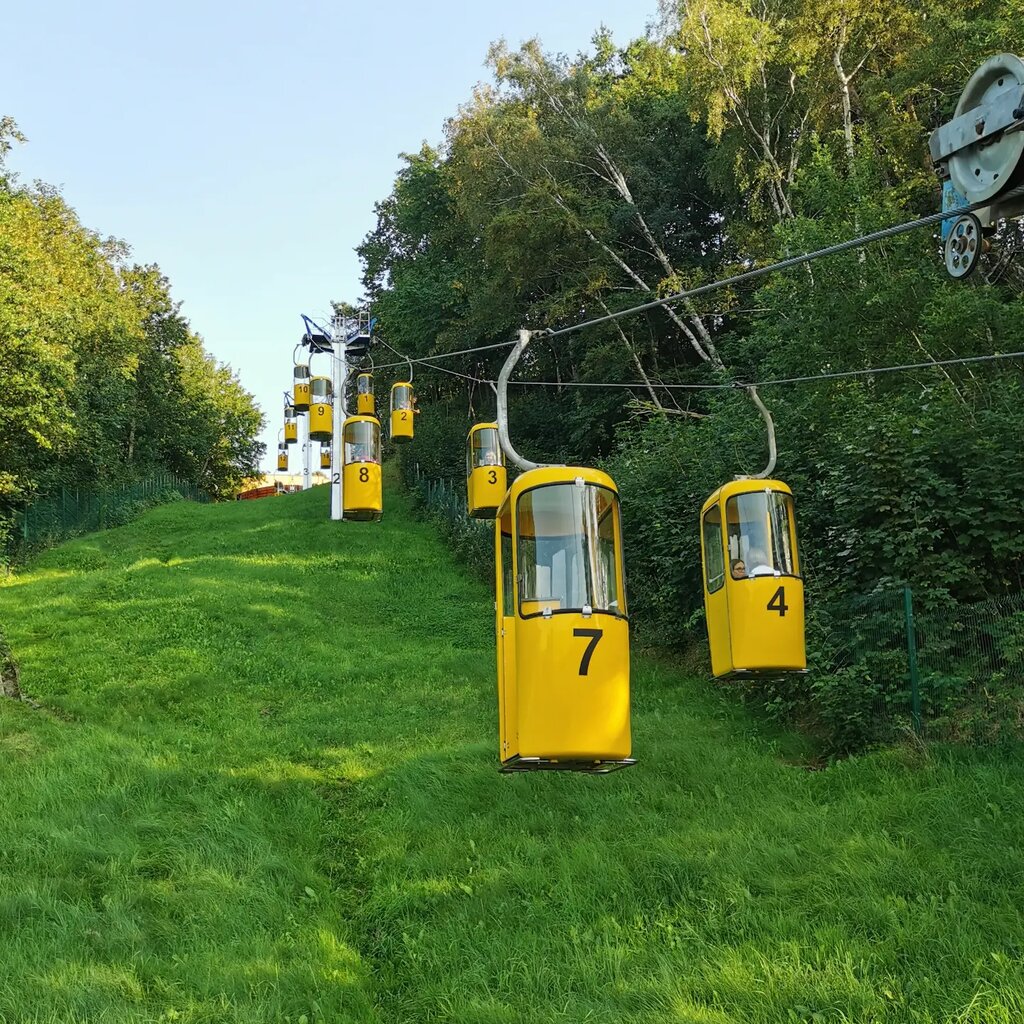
<point x="964" y="246"/>
<point x="985" y="170"/>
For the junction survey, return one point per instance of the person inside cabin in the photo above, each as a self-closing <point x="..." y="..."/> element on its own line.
<point x="739" y="569"/>
<point x="759" y="564"/>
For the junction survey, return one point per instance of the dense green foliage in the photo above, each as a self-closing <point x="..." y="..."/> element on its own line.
<point x="103" y="382"/>
<point x="739" y="134"/>
<point x="262" y="788"/>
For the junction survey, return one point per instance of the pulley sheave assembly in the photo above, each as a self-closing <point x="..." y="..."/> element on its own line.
<point x="982" y="146"/>
<point x="964" y="245"/>
<point x="980" y="155"/>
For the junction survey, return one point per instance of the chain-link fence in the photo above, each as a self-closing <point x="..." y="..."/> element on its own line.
<point x="941" y="670"/>
<point x="71" y="511"/>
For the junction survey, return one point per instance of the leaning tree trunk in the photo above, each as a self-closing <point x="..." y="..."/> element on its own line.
<point x="8" y="672"/>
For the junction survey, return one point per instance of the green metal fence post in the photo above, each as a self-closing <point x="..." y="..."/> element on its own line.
<point x="915" y="682"/>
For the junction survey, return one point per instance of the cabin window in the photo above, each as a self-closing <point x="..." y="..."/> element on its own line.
<point x="566" y="545"/>
<point x="484" y="448"/>
<point x="714" y="555"/>
<point x="508" y="583"/>
<point x="401" y="397"/>
<point x="762" y="533"/>
<point x="362" y="442"/>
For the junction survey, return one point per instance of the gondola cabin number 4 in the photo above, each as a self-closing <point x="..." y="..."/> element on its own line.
<point x="753" y="591"/>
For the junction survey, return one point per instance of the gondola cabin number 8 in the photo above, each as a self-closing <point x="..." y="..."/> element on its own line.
<point x="361" y="468"/>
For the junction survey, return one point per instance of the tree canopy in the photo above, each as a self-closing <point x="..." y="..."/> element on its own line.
<point x="104" y="382"/>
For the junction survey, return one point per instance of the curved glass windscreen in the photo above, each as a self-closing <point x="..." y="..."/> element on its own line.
<point x="401" y="396"/>
<point x="568" y="553"/>
<point x="320" y="388"/>
<point x="364" y="384"/>
<point x="301" y="371"/>
<point x="762" y="535"/>
<point x="484" y="449"/>
<point x="362" y="442"/>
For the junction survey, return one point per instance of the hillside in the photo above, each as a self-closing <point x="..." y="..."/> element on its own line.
<point x="262" y="787"/>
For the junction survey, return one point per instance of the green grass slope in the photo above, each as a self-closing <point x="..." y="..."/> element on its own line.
<point x="263" y="788"/>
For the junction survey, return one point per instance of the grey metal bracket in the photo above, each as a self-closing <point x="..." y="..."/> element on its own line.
<point x="1003" y="114"/>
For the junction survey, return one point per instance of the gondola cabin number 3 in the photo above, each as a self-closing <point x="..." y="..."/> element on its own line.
<point x="486" y="478"/>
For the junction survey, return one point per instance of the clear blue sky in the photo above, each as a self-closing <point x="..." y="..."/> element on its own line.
<point x="241" y="146"/>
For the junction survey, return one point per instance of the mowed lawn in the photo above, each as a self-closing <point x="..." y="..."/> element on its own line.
<point x="263" y="788"/>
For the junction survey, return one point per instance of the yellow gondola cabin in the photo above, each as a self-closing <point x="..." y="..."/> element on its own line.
<point x="282" y="458"/>
<point x="291" y="425"/>
<point x="485" y="471"/>
<point x="364" y="395"/>
<point x="563" y="633"/>
<point x="325" y="457"/>
<point x="403" y="411"/>
<point x="300" y="394"/>
<point x="362" y="474"/>
<point x="753" y="592"/>
<point x="321" y="409"/>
